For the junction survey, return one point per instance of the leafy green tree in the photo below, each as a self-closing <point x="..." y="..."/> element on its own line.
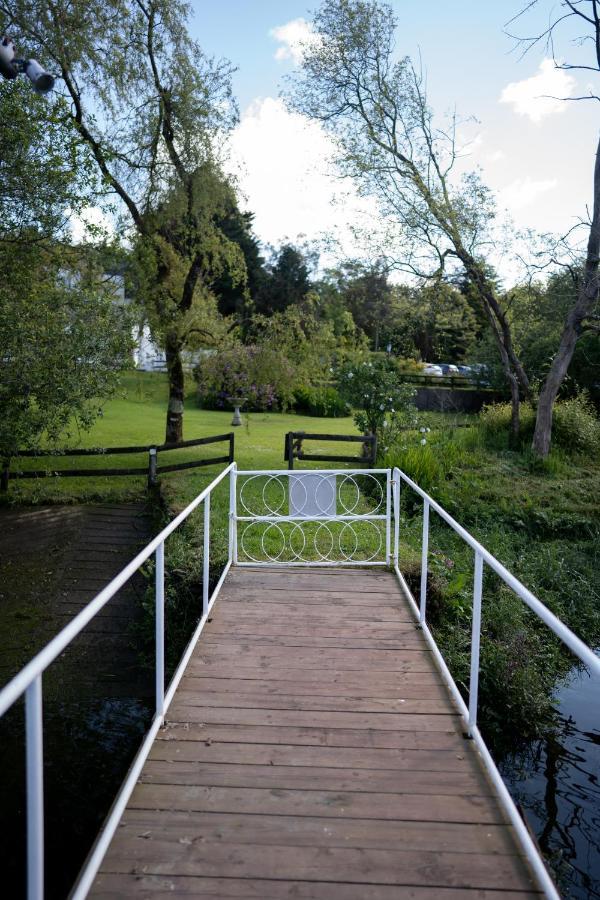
<point x="153" y="110"/>
<point x="435" y="323"/>
<point x="164" y="252"/>
<point x="63" y="338"/>
<point x="376" y="109"/>
<point x="287" y="283"/>
<point x="368" y="296"/>
<point x="233" y="293"/>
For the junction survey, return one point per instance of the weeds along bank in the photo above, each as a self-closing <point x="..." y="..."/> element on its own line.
<point x="542" y="522"/>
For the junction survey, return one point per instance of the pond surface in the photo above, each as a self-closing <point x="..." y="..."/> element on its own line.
<point x="556" y="781"/>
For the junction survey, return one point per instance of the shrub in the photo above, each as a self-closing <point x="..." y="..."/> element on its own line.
<point x="383" y="405"/>
<point x="575" y="425"/>
<point x="321" y="402"/>
<point x="261" y="375"/>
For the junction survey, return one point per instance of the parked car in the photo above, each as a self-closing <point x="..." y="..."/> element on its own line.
<point x="449" y="369"/>
<point x="431" y="369"/>
<point x="465" y="371"/>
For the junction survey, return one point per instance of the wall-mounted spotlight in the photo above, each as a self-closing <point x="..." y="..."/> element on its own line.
<point x="10" y="67"/>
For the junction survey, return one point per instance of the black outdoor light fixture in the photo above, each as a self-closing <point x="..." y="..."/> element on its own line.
<point x="11" y="66"/>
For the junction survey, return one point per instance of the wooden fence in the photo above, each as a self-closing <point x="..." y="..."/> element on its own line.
<point x="152" y="469"/>
<point x="293" y="448"/>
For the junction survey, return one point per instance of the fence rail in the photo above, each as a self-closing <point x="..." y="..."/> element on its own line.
<point x="469" y="712"/>
<point x="28" y="682"/>
<point x="293" y="448"/>
<point x="152" y="469"/>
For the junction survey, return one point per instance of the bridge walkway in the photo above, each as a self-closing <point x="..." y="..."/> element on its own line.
<point x="312" y="751"/>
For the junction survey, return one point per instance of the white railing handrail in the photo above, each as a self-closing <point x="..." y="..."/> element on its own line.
<point x="562" y="631"/>
<point x="19" y="684"/>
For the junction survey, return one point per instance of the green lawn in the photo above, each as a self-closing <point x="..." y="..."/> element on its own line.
<point x="137" y="416"/>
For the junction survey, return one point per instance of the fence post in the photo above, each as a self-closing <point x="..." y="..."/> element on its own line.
<point x="290" y="449"/>
<point x="475" y="640"/>
<point x="388" y="516"/>
<point x="152" y="467"/>
<point x="231" y="446"/>
<point x="206" y="562"/>
<point x="424" y="553"/>
<point x="232" y="515"/>
<point x="4" y="475"/>
<point x="34" y="753"/>
<point x="159" y="598"/>
<point x="396" y="483"/>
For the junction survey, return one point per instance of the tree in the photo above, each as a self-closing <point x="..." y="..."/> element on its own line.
<point x="164" y="252"/>
<point x="376" y="110"/>
<point x="234" y="294"/>
<point x="287" y="282"/>
<point x="434" y="322"/>
<point x="63" y="338"/>
<point x="153" y="109"/>
<point x="64" y="341"/>
<point x="582" y="316"/>
<point x="368" y="296"/>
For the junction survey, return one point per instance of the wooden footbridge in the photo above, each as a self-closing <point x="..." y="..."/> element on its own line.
<point x="312" y="743"/>
<point x="312" y="750"/>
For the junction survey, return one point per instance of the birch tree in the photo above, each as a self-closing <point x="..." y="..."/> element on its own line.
<point x="375" y="108"/>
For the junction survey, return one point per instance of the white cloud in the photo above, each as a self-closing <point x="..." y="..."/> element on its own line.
<point x="496" y="156"/>
<point x="522" y="192"/>
<point x="294" y="36"/>
<point x="287" y="176"/>
<point x="540" y="96"/>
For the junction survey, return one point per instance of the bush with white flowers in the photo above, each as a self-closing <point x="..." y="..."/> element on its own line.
<point x="383" y="406"/>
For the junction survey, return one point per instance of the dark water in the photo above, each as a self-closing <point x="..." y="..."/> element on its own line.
<point x="556" y="780"/>
<point x="88" y="746"/>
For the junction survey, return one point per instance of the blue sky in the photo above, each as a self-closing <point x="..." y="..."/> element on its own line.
<point x="536" y="154"/>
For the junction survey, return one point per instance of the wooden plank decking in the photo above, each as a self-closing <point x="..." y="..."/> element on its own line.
<point x="312" y="751"/>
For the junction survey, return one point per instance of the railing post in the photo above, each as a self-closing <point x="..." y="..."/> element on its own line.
<point x="35" y="789"/>
<point x="152" y="467"/>
<point x="232" y="516"/>
<point x="388" y="514"/>
<point x="475" y="641"/>
<point x="424" y="556"/>
<point x="159" y="595"/>
<point x="396" y="484"/>
<point x="206" y="561"/>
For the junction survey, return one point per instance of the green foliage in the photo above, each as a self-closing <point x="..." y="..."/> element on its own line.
<point x="260" y="375"/>
<point x="63" y="341"/>
<point x="434" y="323"/>
<point x="576" y="427"/>
<point x="321" y="402"/>
<point x="308" y="343"/>
<point x="287" y="282"/>
<point x="383" y="405"/>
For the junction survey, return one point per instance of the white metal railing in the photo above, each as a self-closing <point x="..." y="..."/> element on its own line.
<point x="315" y="517"/>
<point x="321" y="498"/>
<point x="469" y="713"/>
<point x="29" y="682"/>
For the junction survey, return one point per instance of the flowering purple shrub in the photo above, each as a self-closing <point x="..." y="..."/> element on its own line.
<point x="260" y="375"/>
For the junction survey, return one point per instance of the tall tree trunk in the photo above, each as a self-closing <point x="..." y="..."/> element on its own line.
<point x="587" y="298"/>
<point x="174" y="430"/>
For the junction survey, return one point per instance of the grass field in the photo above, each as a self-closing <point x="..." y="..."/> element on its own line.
<point x="137" y="417"/>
